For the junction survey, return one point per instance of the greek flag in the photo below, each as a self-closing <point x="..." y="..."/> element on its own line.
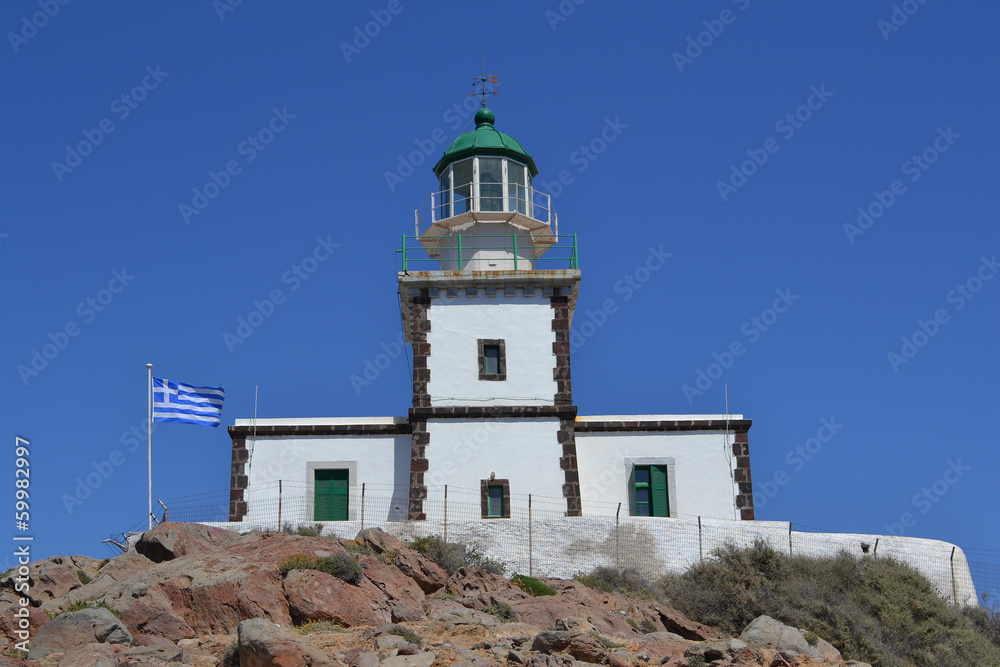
<point x="184" y="404"/>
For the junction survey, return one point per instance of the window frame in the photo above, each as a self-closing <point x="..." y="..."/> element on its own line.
<point x="500" y="344"/>
<point x="485" y="486"/>
<point x="668" y="495"/>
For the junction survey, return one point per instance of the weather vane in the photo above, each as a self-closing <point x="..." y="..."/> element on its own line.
<point x="484" y="81"/>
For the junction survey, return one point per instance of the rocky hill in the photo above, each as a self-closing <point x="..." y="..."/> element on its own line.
<point x="194" y="595"/>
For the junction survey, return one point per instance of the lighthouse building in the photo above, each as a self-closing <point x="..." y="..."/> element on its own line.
<point x="488" y="288"/>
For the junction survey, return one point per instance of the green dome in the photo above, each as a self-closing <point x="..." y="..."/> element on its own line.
<point x="485" y="140"/>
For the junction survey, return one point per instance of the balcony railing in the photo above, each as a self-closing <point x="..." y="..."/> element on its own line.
<point x="490" y="198"/>
<point x="562" y="254"/>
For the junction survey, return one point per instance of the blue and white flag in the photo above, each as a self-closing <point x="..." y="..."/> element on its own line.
<point x="184" y="404"/>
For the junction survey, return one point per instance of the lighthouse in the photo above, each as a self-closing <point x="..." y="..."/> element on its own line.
<point x="488" y="289"/>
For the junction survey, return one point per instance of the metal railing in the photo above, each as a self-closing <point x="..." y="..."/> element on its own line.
<point x="489" y="198"/>
<point x="562" y="255"/>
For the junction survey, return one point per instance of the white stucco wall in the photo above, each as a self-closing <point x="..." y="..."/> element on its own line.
<point x="703" y="468"/>
<point x="380" y="462"/>
<point x="464" y="452"/>
<point x="524" y="323"/>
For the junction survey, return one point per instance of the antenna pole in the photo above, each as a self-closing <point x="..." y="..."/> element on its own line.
<point x="149" y="441"/>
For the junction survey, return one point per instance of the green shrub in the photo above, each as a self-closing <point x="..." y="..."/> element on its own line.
<point x="605" y="642"/>
<point x="405" y="633"/>
<point x="103" y="563"/>
<point x="341" y="566"/>
<point x="312" y="626"/>
<point x="82" y="576"/>
<point x="876" y="610"/>
<point x="80" y="605"/>
<point x="451" y="556"/>
<point x="501" y="610"/>
<point x="355" y="547"/>
<point x="531" y="585"/>
<point x="986" y="621"/>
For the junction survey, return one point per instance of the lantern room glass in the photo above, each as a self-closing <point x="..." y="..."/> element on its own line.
<point x="494" y="184"/>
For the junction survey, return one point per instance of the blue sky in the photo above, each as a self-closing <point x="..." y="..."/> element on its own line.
<point x="741" y="137"/>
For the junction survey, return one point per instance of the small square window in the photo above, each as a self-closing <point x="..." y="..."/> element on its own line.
<point x="492" y="359"/>
<point x="495" y="498"/>
<point x="649" y="491"/>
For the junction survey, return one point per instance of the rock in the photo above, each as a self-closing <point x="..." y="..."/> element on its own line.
<point x="824" y="651"/>
<point x="402" y="613"/>
<point x="9" y="624"/>
<point x="389" y="642"/>
<point x="379" y="540"/>
<point x="621" y="659"/>
<point x="482" y="588"/>
<point x="660" y="637"/>
<point x="75" y="630"/>
<point x="264" y="644"/>
<point x="172" y="539"/>
<point x="359" y="657"/>
<point x="765" y="631"/>
<point x="678" y="623"/>
<point x="56" y="576"/>
<point x="161" y="652"/>
<point x="398" y="588"/>
<point x="143" y="618"/>
<point x="551" y="641"/>
<point x="421" y="660"/>
<point x="314" y="595"/>
<point x="428" y="574"/>
<point x="150" y="640"/>
<point x="573" y="624"/>
<point x="90" y="655"/>
<point x="458" y="615"/>
<point x="587" y="648"/>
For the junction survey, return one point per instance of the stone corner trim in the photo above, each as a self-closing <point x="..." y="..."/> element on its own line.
<point x="744" y="499"/>
<point x="238" y="479"/>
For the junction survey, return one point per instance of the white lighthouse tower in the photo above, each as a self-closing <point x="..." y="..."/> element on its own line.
<point x="488" y="289"/>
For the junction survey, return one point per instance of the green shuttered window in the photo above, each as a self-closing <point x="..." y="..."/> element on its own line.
<point x="650" y="491"/>
<point x="332" y="488"/>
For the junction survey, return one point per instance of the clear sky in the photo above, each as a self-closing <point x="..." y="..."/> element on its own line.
<point x="167" y="165"/>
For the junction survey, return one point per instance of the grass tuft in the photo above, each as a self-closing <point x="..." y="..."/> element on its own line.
<point x="405" y="633"/>
<point x="341" y="566"/>
<point x="312" y="626"/>
<point x="451" y="556"/>
<point x="531" y="585"/>
<point x="83" y="577"/>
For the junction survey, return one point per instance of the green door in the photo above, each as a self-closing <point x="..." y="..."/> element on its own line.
<point x="331" y="495"/>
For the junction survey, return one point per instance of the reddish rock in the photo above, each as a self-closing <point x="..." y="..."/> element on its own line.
<point x="379" y="540"/>
<point x="10" y="624"/>
<point x="264" y="644"/>
<point x="148" y="621"/>
<point x="587" y="648"/>
<point x="428" y="574"/>
<point x="320" y="596"/>
<point x="397" y="587"/>
<point x="479" y="588"/>
<point x="171" y="540"/>
<point x="676" y="622"/>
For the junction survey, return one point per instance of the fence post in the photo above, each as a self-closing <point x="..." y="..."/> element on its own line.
<point x="446" y="507"/>
<point x="701" y="546"/>
<point x="875" y="550"/>
<point x="618" y="547"/>
<point x="954" y="586"/>
<point x="790" y="539"/>
<point x="279" y="505"/>
<point x="362" y="505"/>
<point x="531" y="563"/>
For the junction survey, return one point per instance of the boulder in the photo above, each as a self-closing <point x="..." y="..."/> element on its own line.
<point x="765" y="631"/>
<point x="396" y="586"/>
<point x="160" y="652"/>
<point x="263" y="644"/>
<point x="428" y="574"/>
<point x="10" y="604"/>
<point x="419" y="660"/>
<point x="171" y="540"/>
<point x="552" y="641"/>
<point x="459" y="615"/>
<point x="76" y="630"/>
<point x="379" y="540"/>
<point x="320" y="596"/>
<point x="90" y="655"/>
<point x="587" y="648"/>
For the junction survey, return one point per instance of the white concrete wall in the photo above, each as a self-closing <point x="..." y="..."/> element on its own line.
<point x="703" y="470"/>
<point x="565" y="546"/>
<point x="525" y="324"/>
<point x="463" y="452"/>
<point x="381" y="462"/>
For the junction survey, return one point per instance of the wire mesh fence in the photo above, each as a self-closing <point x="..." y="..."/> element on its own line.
<point x="535" y="537"/>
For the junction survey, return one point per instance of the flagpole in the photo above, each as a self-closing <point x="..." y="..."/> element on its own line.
<point x="149" y="444"/>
